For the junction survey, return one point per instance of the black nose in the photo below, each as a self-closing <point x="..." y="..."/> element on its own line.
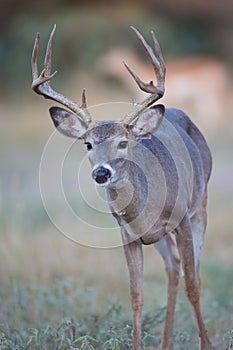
<point x="101" y="175"/>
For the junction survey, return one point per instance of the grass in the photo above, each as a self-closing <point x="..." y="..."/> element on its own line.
<point x="67" y="316"/>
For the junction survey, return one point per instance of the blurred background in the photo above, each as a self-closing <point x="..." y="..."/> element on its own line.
<point x="92" y="40"/>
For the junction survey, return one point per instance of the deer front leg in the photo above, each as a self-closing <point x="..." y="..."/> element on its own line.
<point x="168" y="250"/>
<point x="134" y="258"/>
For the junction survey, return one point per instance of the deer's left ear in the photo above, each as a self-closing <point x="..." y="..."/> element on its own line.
<point x="149" y="121"/>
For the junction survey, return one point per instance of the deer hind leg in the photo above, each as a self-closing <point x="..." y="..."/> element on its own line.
<point x="168" y="250"/>
<point x="188" y="247"/>
<point x="198" y="224"/>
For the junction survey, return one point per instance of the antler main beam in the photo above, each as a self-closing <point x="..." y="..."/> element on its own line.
<point x="156" y="91"/>
<point x="41" y="83"/>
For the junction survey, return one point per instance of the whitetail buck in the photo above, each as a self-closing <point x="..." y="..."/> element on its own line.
<point x="154" y="164"/>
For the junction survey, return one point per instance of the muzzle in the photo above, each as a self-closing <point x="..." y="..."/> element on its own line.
<point x="101" y="175"/>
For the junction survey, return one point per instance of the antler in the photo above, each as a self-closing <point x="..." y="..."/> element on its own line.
<point x="156" y="91"/>
<point x="41" y="83"/>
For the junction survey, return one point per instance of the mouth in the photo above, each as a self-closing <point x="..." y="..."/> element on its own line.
<point x="113" y="183"/>
<point x="103" y="184"/>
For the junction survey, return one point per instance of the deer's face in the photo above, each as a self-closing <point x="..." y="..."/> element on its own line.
<point x="109" y="143"/>
<point x="109" y="147"/>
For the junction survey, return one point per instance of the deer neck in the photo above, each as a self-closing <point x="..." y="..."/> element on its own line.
<point x="127" y="199"/>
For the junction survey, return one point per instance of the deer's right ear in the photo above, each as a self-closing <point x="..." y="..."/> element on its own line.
<point x="67" y="123"/>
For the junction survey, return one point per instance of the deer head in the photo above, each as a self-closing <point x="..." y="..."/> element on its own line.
<point x="108" y="142"/>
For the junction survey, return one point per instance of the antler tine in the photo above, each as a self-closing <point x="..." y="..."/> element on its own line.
<point x="156" y="91"/>
<point x="159" y="55"/>
<point x="34" y="57"/>
<point x="147" y="87"/>
<point x="48" y="55"/>
<point x="41" y="83"/>
<point x="84" y="99"/>
<point x="158" y="50"/>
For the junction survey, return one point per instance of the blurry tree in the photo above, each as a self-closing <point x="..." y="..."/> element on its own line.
<point x="214" y="17"/>
<point x="193" y="26"/>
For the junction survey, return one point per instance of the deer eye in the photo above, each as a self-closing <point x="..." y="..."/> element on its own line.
<point x="122" y="144"/>
<point x="88" y="145"/>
